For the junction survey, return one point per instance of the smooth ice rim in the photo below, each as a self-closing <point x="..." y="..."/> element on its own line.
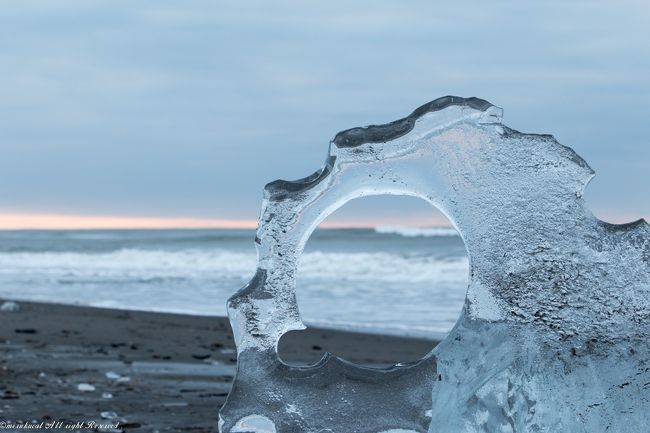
<point x="549" y="303"/>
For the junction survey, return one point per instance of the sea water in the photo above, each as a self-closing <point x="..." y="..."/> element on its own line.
<point x="405" y="281"/>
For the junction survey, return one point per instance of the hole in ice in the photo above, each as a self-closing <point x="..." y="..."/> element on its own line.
<point x="382" y="268"/>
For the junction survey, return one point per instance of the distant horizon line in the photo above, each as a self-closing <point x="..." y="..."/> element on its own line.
<point x="50" y="221"/>
<point x="53" y="221"/>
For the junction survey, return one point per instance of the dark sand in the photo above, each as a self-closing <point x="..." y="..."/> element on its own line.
<point x="167" y="372"/>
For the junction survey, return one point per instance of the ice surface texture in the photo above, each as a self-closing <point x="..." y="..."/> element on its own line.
<point x="554" y="333"/>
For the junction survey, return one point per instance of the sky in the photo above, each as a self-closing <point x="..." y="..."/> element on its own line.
<point x="123" y="113"/>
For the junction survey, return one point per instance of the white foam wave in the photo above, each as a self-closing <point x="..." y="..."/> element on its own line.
<point x="132" y="262"/>
<point x="382" y="266"/>
<point x="202" y="263"/>
<point x="380" y="291"/>
<point x="432" y="332"/>
<point x="411" y="232"/>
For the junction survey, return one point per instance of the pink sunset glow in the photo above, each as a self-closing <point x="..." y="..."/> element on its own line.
<point x="45" y="221"/>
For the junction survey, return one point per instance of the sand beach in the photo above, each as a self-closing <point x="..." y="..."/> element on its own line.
<point x="78" y="368"/>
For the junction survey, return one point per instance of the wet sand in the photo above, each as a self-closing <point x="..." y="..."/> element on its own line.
<point x="146" y="371"/>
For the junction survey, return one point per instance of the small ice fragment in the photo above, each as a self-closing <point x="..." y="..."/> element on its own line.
<point x="111" y="375"/>
<point x="107" y="395"/>
<point x="9" y="307"/>
<point x="254" y="424"/>
<point x="85" y="387"/>
<point x="108" y="415"/>
<point x="41" y="374"/>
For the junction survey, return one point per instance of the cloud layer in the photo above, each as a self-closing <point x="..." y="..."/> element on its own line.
<point x="186" y="109"/>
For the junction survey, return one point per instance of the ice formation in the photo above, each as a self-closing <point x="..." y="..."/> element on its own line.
<point x="554" y="333"/>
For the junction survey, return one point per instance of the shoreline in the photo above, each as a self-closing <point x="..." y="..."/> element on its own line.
<point x="163" y="371"/>
<point x="434" y="336"/>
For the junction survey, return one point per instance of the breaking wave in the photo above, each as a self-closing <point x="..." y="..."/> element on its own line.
<point x="411" y="232"/>
<point x="155" y="265"/>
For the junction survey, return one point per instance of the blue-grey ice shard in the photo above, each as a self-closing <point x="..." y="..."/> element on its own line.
<point x="554" y="333"/>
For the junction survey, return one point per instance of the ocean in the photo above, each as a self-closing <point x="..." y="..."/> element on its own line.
<point x="403" y="281"/>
